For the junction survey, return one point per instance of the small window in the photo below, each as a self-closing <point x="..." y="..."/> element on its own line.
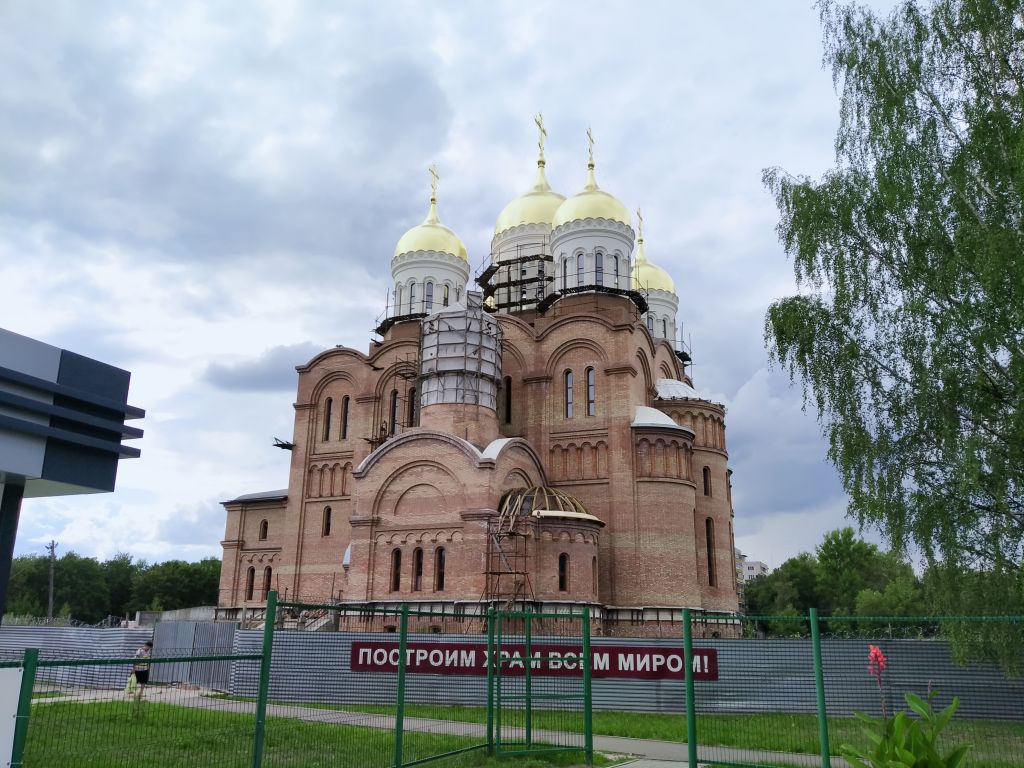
<point x="650" y="323"/>
<point x="412" y="298"/>
<point x="417" y="569"/>
<point x="430" y="298"/>
<point x="444" y="296"/>
<point x="413" y="402"/>
<point x="393" y="418"/>
<point x="615" y="267"/>
<point x="707" y="481"/>
<point x="398" y="300"/>
<point x="264" y="528"/>
<point x="599" y="267"/>
<point x="565" y="274"/>
<point x="250" y="583"/>
<point x="664" y="328"/>
<point x="328" y="406"/>
<point x="579" y="270"/>
<point x="268" y="575"/>
<point x="563" y="572"/>
<point x="458" y="293"/>
<point x="568" y="394"/>
<point x="508" y="399"/>
<point x="325" y="528"/>
<point x="591" y="393"/>
<point x="439" y="557"/>
<point x="344" y="417"/>
<point x="709" y="534"/>
<point x="396" y="570"/>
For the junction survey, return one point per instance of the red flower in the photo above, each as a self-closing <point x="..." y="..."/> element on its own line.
<point x="876" y="664"/>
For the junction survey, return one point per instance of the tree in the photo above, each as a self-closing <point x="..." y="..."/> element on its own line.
<point x="177" y="584"/>
<point x="848" y="565"/>
<point x="119" y="572"/>
<point x="908" y="331"/>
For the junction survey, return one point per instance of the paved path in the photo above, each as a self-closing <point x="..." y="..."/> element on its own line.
<point x="651" y="753"/>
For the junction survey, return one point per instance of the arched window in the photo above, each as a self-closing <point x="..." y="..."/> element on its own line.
<point x="393" y="418"/>
<point x="417" y="569"/>
<point x="328" y="407"/>
<point x="430" y="298"/>
<point x="413" y="402"/>
<point x="707" y="481"/>
<point x="250" y="583"/>
<point x="508" y="399"/>
<point x="568" y="394"/>
<point x="344" y="417"/>
<point x="458" y="293"/>
<point x="565" y="274"/>
<point x="709" y="534"/>
<point x="264" y="528"/>
<point x="412" y="298"/>
<point x="664" y="328"/>
<point x="439" y="555"/>
<point x="563" y="572"/>
<point x="444" y="296"/>
<point x="650" y="323"/>
<point x="593" y="573"/>
<point x="396" y="570"/>
<point x="325" y="527"/>
<point x="599" y="267"/>
<point x="579" y="270"/>
<point x="615" y="267"/>
<point x="591" y="393"/>
<point x="268" y="574"/>
<point x="398" y="300"/>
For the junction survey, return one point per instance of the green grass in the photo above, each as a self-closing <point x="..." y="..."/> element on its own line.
<point x="997" y="744"/>
<point x="158" y="735"/>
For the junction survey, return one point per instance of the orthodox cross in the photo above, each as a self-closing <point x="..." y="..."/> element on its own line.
<point x="590" y="147"/>
<point x="640" y="224"/>
<point x="539" y="120"/>
<point x="433" y="180"/>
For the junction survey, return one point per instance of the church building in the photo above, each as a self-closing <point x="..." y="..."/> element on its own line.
<point x="528" y="439"/>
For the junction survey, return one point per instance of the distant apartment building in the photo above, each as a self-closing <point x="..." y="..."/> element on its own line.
<point x="745" y="571"/>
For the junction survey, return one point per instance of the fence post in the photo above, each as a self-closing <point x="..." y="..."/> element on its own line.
<point x="588" y="699"/>
<point x="498" y="620"/>
<point x="403" y="643"/>
<point x="490" y="680"/>
<point x="269" y="620"/>
<point x="528" y="639"/>
<point x="691" y="709"/>
<point x="819" y="687"/>
<point x="28" y="679"/>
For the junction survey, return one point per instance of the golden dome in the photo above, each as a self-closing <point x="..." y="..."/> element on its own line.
<point x="648" y="276"/>
<point x="537" y="206"/>
<point x="432" y="235"/>
<point x="591" y="203"/>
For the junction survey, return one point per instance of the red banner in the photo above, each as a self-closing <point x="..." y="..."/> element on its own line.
<point x="623" y="661"/>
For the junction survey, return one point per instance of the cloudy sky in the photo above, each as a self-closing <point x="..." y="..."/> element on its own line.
<point x="207" y="194"/>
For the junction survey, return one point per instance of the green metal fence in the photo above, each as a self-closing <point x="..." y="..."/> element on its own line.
<point x="788" y="687"/>
<point x="373" y="691"/>
<point x="540" y="688"/>
<point x="92" y="713"/>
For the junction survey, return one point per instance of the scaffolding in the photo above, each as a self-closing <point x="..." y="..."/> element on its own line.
<point x="508" y="556"/>
<point x="460" y="356"/>
<point x="402" y="411"/>
<point x="517" y="278"/>
<point x="525" y="278"/>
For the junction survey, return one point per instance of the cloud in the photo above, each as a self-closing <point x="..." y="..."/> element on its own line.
<point x="272" y="370"/>
<point x="209" y="198"/>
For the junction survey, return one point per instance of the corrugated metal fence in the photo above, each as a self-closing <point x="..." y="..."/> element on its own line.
<point x="194" y="638"/>
<point x="76" y="643"/>
<point x="754" y="675"/>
